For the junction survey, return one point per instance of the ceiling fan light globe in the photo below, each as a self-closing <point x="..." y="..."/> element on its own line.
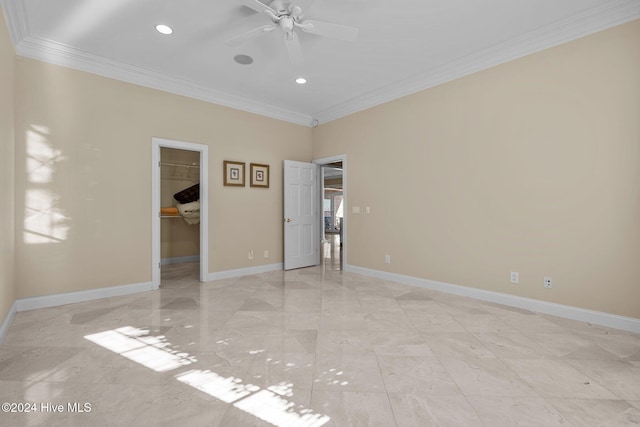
<point x="296" y="11"/>
<point x="286" y="24"/>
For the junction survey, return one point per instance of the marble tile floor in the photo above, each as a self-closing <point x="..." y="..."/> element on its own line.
<point x="312" y="347"/>
<point x="332" y="251"/>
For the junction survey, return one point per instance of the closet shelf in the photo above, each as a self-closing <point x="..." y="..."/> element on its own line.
<point x="192" y="165"/>
<point x="180" y="172"/>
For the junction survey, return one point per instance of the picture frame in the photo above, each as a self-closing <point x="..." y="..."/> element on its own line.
<point x="234" y="173"/>
<point x="259" y="175"/>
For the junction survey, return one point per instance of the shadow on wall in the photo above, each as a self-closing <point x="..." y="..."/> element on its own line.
<point x="44" y="220"/>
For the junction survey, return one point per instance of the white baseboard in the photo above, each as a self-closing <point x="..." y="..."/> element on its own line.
<point x="615" y="321"/>
<point x="4" y="328"/>
<point x="179" y="260"/>
<point x="32" y="303"/>
<point x="228" y="274"/>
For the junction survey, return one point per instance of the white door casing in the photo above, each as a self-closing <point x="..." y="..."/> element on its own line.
<point x="156" y="145"/>
<point x="301" y="214"/>
<point x="343" y="235"/>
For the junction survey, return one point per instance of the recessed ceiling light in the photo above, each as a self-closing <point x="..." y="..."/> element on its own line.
<point x="243" y="59"/>
<point x="301" y="80"/>
<point x="164" y="29"/>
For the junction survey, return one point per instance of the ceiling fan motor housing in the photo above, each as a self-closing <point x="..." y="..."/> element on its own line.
<point x="280" y="6"/>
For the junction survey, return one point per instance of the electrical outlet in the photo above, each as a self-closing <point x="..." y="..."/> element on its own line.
<point x="515" y="277"/>
<point x="387" y="259"/>
<point x="251" y="254"/>
<point x="547" y="282"/>
<point x="266" y="253"/>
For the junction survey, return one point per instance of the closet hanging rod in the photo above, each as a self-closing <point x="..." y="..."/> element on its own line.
<point x="179" y="164"/>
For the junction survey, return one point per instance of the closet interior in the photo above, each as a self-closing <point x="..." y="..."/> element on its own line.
<point x="180" y="207"/>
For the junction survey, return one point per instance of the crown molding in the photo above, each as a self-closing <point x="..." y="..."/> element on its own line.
<point x="66" y="56"/>
<point x="614" y="13"/>
<point x="16" y="17"/>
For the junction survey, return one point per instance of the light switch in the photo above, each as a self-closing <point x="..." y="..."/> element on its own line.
<point x="367" y="209"/>
<point x="355" y="209"/>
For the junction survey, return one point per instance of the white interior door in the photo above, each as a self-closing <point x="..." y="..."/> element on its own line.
<point x="301" y="214"/>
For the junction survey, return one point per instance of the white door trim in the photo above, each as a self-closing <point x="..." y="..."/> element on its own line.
<point x="156" y="145"/>
<point x="323" y="161"/>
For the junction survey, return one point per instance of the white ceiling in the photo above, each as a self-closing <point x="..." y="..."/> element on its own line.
<point x="403" y="46"/>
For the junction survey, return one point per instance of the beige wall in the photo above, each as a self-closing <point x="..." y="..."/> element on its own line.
<point x="7" y="147"/>
<point x="178" y="238"/>
<point x="531" y="166"/>
<point x="83" y="178"/>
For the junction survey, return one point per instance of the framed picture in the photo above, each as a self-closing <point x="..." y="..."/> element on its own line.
<point x="233" y="173"/>
<point x="259" y="175"/>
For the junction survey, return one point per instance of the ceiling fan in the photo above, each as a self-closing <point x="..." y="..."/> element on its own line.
<point x="287" y="15"/>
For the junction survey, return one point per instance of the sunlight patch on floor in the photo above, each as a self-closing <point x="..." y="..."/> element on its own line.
<point x="154" y="352"/>
<point x="150" y="351"/>
<point x="268" y="405"/>
<point x="229" y="389"/>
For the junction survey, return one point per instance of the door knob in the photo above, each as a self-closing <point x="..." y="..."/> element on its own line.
<point x="289" y="220"/>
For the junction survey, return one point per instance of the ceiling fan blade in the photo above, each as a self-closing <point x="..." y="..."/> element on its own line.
<point x="257" y="6"/>
<point x="292" y="43"/>
<point x="244" y="35"/>
<point x="327" y="29"/>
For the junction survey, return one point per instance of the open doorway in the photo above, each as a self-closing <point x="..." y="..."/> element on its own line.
<point x="180" y="220"/>
<point x="333" y="241"/>
<point x="179" y="216"/>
